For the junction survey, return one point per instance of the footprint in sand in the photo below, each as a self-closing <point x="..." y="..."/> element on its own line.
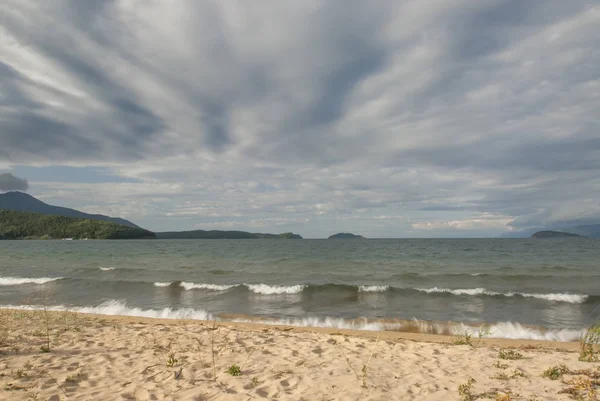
<point x="262" y="392"/>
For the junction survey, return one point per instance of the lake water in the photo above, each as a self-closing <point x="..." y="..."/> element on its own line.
<point x="520" y="288"/>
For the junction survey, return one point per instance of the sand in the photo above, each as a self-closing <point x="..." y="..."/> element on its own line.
<point x="95" y="357"/>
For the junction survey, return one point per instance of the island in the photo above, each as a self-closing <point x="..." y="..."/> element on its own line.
<point x="218" y="234"/>
<point x="554" y="234"/>
<point x="27" y="225"/>
<point x="346" y="236"/>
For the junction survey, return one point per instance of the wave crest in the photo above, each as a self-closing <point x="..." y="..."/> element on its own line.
<point x="373" y="288"/>
<point x="558" y="297"/>
<point x="265" y="289"/>
<point x="213" y="287"/>
<point x="5" y="281"/>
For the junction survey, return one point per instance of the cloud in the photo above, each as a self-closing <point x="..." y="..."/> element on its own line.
<point x="422" y="111"/>
<point x="9" y="182"/>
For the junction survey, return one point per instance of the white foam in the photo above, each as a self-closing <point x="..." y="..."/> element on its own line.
<point x="461" y="291"/>
<point x="24" y="280"/>
<point x="510" y="330"/>
<point x="119" y="308"/>
<point x="558" y="297"/>
<point x="162" y="284"/>
<point x="275" y="289"/>
<point x="212" y="287"/>
<point x="106" y="269"/>
<point x="516" y="331"/>
<point x="329" y="322"/>
<point x="373" y="288"/>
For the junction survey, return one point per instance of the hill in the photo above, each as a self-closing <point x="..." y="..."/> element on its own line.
<point x="554" y="234"/>
<point x="588" y="230"/>
<point x="345" y="236"/>
<point x="217" y="234"/>
<point x="23" y="202"/>
<point x="25" y="225"/>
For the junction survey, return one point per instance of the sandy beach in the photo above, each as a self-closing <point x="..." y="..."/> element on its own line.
<point x="93" y="357"/>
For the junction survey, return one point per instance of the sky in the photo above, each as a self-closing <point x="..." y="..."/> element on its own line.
<point x="387" y="118"/>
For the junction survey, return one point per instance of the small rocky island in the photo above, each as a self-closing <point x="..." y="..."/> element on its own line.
<point x="554" y="234"/>
<point x="346" y="236"/>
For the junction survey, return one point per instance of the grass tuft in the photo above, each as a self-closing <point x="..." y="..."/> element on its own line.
<point x="556" y="372"/>
<point x="234" y="370"/>
<point x="510" y="354"/>
<point x="590" y="344"/>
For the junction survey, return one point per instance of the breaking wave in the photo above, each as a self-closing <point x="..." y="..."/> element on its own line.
<point x="25" y="280"/>
<point x="509" y="330"/>
<point x="558" y="297"/>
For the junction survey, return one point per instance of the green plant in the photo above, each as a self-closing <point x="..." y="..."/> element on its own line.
<point x="19" y="373"/>
<point x="465" y="390"/>
<point x="171" y="360"/>
<point x="499" y="365"/>
<point x="510" y="354"/>
<point x="366" y="363"/>
<point x="76" y="378"/>
<point x="234" y="370"/>
<point x="464" y="338"/>
<point x="590" y="344"/>
<point x="505" y="376"/>
<point x="500" y="376"/>
<point x="484" y="331"/>
<point x="555" y="372"/>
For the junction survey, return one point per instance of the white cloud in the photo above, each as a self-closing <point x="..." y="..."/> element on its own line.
<point x="319" y="112"/>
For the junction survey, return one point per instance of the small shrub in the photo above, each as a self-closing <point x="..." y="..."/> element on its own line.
<point x="510" y="354"/>
<point x="465" y="390"/>
<point x="499" y="365"/>
<point x="590" y="344"/>
<point x="555" y="372"/>
<point x="171" y="361"/>
<point x="44" y="348"/>
<point x="505" y="376"/>
<point x="76" y="378"/>
<point x="234" y="370"/>
<point x="464" y="339"/>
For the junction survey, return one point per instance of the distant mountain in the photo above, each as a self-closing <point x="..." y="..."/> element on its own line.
<point x="554" y="234"/>
<point x="23" y="202"/>
<point x="588" y="230"/>
<point x="217" y="234"/>
<point x="26" y="225"/>
<point x="345" y="236"/>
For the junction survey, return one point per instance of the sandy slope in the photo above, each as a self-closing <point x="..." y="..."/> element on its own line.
<point x="109" y="358"/>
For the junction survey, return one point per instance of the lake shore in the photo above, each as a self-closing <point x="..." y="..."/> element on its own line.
<point x="96" y="357"/>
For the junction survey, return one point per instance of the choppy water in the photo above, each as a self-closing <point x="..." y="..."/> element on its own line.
<point x="521" y="287"/>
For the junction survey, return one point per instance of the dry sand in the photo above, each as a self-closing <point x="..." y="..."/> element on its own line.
<point x="117" y="358"/>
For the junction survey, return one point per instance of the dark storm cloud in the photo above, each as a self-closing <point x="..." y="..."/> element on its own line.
<point x="9" y="182"/>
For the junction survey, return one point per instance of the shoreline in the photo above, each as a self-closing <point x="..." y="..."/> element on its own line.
<point x="567" y="346"/>
<point x="75" y="356"/>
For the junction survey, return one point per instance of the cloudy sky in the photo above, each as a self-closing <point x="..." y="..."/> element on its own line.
<point x="388" y="118"/>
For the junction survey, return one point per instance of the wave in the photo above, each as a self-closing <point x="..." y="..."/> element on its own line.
<point x="275" y="289"/>
<point x="212" y="287"/>
<point x="509" y="330"/>
<point x="162" y="283"/>
<point x="5" y="281"/>
<point x="373" y="288"/>
<point x="557" y="297"/>
<point x="106" y="269"/>
<point x="120" y="308"/>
